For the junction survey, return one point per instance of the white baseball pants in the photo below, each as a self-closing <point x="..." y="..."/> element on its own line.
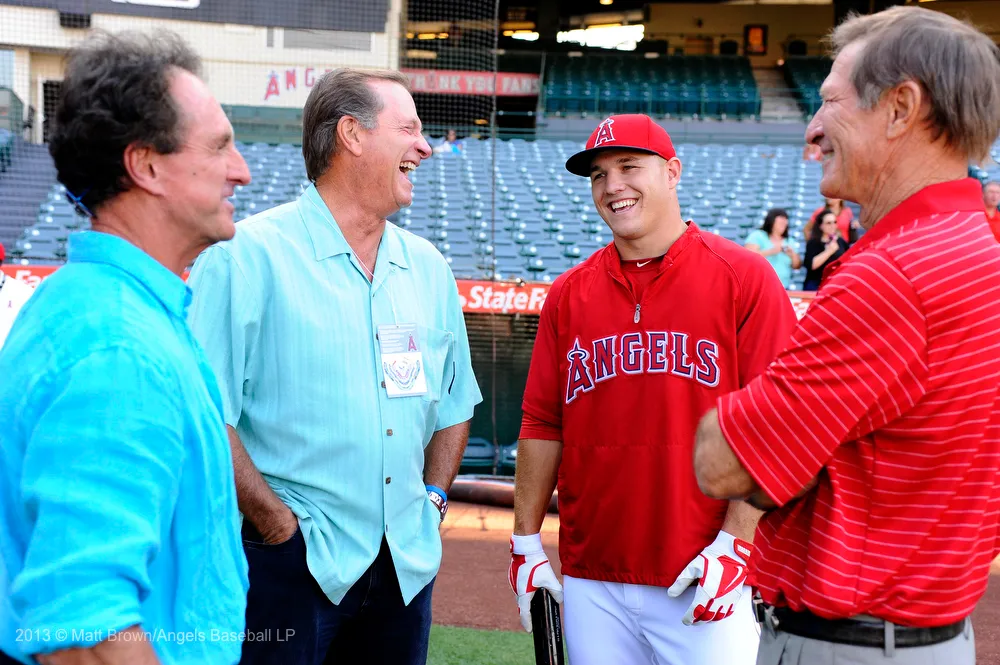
<point x="609" y="623"/>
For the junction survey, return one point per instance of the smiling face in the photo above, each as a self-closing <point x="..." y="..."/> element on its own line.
<point x="392" y="150"/>
<point x="991" y="196"/>
<point x="828" y="226"/>
<point x="632" y="190"/>
<point x="200" y="176"/>
<point x="853" y="139"/>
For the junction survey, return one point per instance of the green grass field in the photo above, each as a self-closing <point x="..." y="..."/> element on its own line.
<point x="468" y="646"/>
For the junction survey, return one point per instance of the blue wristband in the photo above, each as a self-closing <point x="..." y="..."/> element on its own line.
<point x="437" y="490"/>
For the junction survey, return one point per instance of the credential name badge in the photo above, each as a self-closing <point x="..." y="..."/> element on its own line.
<point x="402" y="360"/>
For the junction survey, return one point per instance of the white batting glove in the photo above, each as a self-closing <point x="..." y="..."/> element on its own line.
<point x="721" y="572"/>
<point x="530" y="571"/>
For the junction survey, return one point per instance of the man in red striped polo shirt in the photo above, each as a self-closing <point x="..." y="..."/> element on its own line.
<point x="874" y="438"/>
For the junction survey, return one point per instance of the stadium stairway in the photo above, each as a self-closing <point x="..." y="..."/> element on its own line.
<point x="22" y="186"/>
<point x="777" y="102"/>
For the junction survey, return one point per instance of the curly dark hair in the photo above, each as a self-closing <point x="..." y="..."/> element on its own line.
<point x="773" y="214"/>
<point x="116" y="92"/>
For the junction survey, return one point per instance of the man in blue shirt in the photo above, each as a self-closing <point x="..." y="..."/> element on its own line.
<point x="119" y="539"/>
<point x="347" y="384"/>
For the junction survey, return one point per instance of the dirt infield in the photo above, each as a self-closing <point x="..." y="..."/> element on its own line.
<point x="472" y="590"/>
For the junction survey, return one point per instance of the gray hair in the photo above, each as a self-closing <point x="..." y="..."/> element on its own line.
<point x="956" y="64"/>
<point x="990" y="183"/>
<point x="340" y="93"/>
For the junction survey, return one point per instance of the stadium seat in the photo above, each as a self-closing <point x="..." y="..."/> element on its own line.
<point x="702" y="86"/>
<point x="479" y="457"/>
<point x="527" y="217"/>
<point x="805" y="75"/>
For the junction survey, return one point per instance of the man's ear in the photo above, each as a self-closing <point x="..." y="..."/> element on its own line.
<point x="349" y="135"/>
<point x="674" y="169"/>
<point x="906" y="103"/>
<point x="144" y="166"/>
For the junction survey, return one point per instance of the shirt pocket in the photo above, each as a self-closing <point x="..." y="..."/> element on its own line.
<point x="438" y="362"/>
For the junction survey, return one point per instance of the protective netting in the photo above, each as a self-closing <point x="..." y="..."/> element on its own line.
<point x="261" y="59"/>
<point x="495" y="198"/>
<point x="449" y="50"/>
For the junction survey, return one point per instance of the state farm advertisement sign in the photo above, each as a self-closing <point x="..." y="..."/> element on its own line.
<point x="501" y="298"/>
<point x="32" y="276"/>
<point x="447" y="82"/>
<point x="475" y="296"/>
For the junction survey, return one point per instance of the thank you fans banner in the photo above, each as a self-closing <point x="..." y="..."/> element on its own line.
<point x="476" y="296"/>
<point x="448" y="82"/>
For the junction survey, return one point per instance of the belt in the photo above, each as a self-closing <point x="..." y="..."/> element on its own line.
<point x="857" y="632"/>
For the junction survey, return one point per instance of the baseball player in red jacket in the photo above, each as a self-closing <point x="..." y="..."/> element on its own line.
<point x="633" y="346"/>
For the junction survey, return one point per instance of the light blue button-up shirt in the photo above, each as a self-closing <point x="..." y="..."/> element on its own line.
<point x="116" y="482"/>
<point x="289" y="322"/>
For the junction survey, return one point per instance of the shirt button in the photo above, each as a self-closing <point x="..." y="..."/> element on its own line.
<point x="388" y="432"/>
<point x="388" y="480"/>
<point x="383" y="384"/>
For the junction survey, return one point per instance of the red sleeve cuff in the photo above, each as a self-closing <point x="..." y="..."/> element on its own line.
<point x="533" y="428"/>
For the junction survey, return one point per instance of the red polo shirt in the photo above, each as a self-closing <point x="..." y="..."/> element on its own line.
<point x="889" y="392"/>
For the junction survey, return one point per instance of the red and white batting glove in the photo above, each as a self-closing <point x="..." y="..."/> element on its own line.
<point x="530" y="571"/>
<point x="721" y="572"/>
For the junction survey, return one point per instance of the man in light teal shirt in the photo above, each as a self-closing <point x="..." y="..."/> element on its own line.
<point x="341" y="348"/>
<point x="119" y="529"/>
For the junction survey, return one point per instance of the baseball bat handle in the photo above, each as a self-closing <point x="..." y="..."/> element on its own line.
<point x="546" y="622"/>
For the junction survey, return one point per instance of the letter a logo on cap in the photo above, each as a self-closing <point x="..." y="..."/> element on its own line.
<point x="604" y="133"/>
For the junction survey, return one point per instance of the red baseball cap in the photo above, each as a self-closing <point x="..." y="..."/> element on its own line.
<point x="623" y="132"/>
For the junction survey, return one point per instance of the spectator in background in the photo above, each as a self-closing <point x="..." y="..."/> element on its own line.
<point x="119" y="511"/>
<point x="13" y="294"/>
<point x="771" y="242"/>
<point x="824" y="246"/>
<point x="846" y="224"/>
<point x="346" y="375"/>
<point x="991" y="198"/>
<point x="451" y="144"/>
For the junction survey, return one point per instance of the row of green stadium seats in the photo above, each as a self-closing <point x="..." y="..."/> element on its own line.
<point x="645" y="71"/>
<point x="731" y="103"/>
<point x="805" y="76"/>
<point x="647" y="66"/>
<point x="746" y="81"/>
<point x="580" y="68"/>
<point x="656" y="89"/>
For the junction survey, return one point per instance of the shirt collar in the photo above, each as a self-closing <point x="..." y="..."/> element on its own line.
<point x="963" y="195"/>
<point x="111" y="250"/>
<point x="327" y="238"/>
<point x="614" y="259"/>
